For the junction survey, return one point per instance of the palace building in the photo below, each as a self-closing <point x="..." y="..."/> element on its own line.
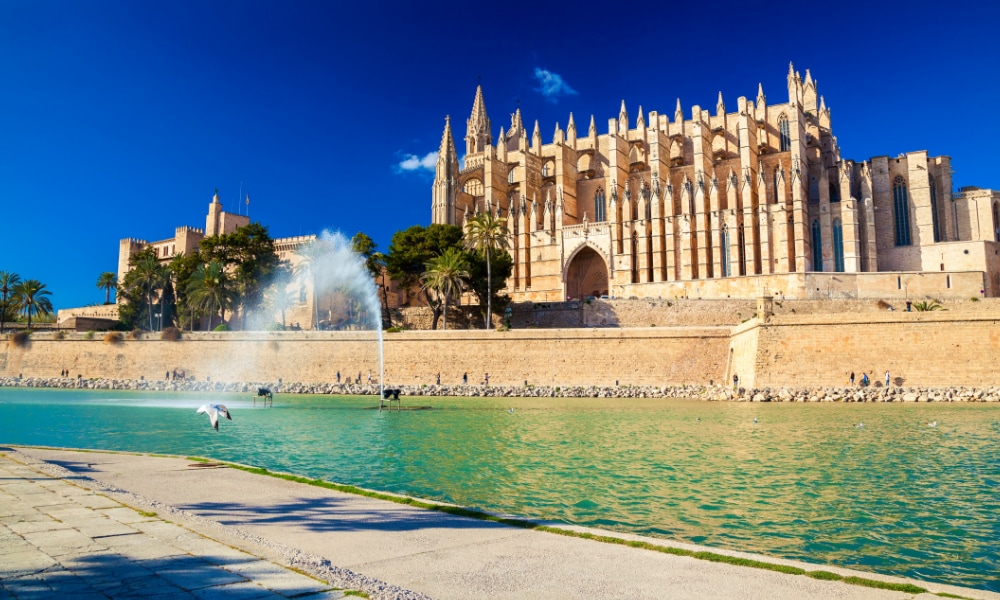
<point x="717" y="204"/>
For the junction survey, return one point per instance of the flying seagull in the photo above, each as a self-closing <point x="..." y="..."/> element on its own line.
<point x="213" y="411"/>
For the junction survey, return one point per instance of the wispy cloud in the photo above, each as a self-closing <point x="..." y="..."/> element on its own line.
<point x="551" y="85"/>
<point x="412" y="162"/>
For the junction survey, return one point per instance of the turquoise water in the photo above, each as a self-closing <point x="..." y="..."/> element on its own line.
<point x="896" y="496"/>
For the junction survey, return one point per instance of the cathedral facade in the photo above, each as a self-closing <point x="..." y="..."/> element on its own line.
<point x="720" y="204"/>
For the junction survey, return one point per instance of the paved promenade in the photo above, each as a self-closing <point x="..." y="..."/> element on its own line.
<point x="81" y="523"/>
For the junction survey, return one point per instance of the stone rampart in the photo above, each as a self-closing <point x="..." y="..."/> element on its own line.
<point x="935" y="349"/>
<point x="647" y="356"/>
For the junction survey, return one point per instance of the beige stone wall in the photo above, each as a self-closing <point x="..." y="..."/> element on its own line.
<point x="928" y="349"/>
<point x="564" y="357"/>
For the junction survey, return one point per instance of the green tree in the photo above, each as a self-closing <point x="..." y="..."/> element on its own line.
<point x="281" y="299"/>
<point x="375" y="264"/>
<point x="182" y="266"/>
<point x="33" y="298"/>
<point x="8" y="281"/>
<point x="148" y="276"/>
<point x="210" y="289"/>
<point x="488" y="235"/>
<point x="446" y="275"/>
<point x="107" y="281"/>
<point x="485" y="281"/>
<point x="249" y="256"/>
<point x="409" y="251"/>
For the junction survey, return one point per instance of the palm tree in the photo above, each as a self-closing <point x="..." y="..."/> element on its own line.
<point x="210" y="288"/>
<point x="446" y="275"/>
<point x="151" y="276"/>
<point x="8" y="281"/>
<point x="281" y="299"/>
<point x="107" y="281"/>
<point x="486" y="233"/>
<point x="33" y="299"/>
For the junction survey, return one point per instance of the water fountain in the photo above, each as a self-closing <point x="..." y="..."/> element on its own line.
<point x="330" y="267"/>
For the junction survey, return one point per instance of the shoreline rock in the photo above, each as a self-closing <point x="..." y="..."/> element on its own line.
<point x="708" y="393"/>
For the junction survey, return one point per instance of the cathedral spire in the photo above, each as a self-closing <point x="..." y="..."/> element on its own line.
<point x="592" y="130"/>
<point x="571" y="131"/>
<point x="536" y="138"/>
<point x="478" y="135"/>
<point x="445" y="178"/>
<point x="622" y="120"/>
<point x="720" y="106"/>
<point x="447" y="147"/>
<point x="809" y="79"/>
<point x="640" y="121"/>
<point x="761" y="98"/>
<point x="679" y="112"/>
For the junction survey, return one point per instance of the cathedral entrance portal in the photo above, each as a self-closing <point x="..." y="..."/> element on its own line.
<point x="587" y="275"/>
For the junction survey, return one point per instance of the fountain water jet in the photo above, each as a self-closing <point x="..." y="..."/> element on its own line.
<point x="330" y="266"/>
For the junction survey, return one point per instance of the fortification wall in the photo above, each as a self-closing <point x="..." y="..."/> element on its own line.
<point x="937" y="349"/>
<point x="563" y="357"/>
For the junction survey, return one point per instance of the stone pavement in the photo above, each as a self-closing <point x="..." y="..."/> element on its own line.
<point x="58" y="540"/>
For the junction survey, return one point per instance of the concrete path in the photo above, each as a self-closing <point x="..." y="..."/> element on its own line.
<point x="342" y="537"/>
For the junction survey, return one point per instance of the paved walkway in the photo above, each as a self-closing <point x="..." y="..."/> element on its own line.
<point x="58" y="540"/>
<point x="338" y="537"/>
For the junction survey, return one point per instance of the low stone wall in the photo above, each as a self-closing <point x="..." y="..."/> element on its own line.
<point x="714" y="393"/>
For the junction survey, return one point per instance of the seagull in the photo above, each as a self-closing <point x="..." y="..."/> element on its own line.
<point x="932" y="424"/>
<point x="511" y="411"/>
<point x="860" y="425"/>
<point x="755" y="420"/>
<point x="213" y="411"/>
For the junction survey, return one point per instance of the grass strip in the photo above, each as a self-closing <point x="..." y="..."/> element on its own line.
<point x="885" y="585"/>
<point x="824" y="575"/>
<point x="947" y="595"/>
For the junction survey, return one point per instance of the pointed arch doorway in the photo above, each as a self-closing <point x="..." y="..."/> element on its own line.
<point x="587" y="275"/>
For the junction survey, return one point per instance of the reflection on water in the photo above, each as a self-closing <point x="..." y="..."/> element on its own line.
<point x="895" y="496"/>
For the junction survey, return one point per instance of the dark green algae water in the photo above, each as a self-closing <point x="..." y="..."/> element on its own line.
<point x="896" y="496"/>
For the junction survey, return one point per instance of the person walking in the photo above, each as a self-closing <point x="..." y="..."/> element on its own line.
<point x="465" y="378"/>
<point x="438" y="378"/>
<point x="736" y="381"/>
<point x="887" y="379"/>
<point x="852" y="378"/>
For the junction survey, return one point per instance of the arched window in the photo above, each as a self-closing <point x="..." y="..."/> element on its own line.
<point x="600" y="206"/>
<point x="996" y="222"/>
<point x="834" y="192"/>
<point x="511" y="175"/>
<point x="777" y="182"/>
<point x="901" y="212"/>
<point x="934" y="211"/>
<point x="302" y="294"/>
<point x="724" y="251"/>
<point x="547" y="170"/>
<point x="783" y="134"/>
<point x="817" y="242"/>
<point x="838" y="246"/>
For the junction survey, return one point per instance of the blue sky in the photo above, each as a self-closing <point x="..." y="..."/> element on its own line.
<point x="119" y="119"/>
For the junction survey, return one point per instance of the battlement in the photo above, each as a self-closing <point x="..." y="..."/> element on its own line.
<point x="190" y="229"/>
<point x="134" y="242"/>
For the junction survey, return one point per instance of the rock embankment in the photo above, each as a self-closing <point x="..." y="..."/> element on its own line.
<point x="712" y="393"/>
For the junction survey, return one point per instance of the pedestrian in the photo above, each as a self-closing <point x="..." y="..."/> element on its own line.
<point x="465" y="378"/>
<point x="369" y="377"/>
<point x="736" y="381"/>
<point x="439" y="378"/>
<point x="909" y="306"/>
<point x="852" y="378"/>
<point x="338" y="376"/>
<point x="887" y="379"/>
<point x="486" y="379"/>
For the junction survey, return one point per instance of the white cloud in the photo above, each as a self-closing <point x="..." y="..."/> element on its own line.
<point x="412" y="162"/>
<point x="551" y="85"/>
